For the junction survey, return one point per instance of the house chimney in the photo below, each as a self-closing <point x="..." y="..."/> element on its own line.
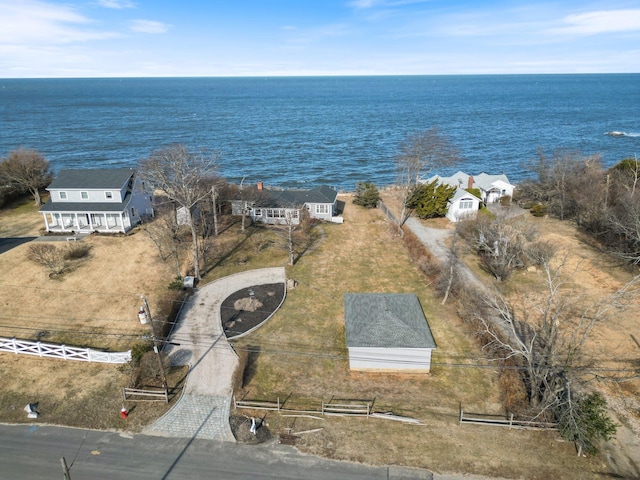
<point x="260" y="185"/>
<point x="470" y="182"/>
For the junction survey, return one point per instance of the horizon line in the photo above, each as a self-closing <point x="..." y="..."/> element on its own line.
<point x="341" y="75"/>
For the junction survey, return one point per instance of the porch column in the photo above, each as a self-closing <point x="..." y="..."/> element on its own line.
<point x="106" y="222"/>
<point x="46" y="222"/>
<point x="121" y="222"/>
<point x="76" y="223"/>
<point x="90" y="222"/>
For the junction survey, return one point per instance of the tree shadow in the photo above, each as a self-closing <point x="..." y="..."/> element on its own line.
<point x="253" y="353"/>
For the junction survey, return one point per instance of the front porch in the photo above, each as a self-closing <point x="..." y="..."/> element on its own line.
<point x="86" y="222"/>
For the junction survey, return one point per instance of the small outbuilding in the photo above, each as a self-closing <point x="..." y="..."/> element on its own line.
<point x="387" y="332"/>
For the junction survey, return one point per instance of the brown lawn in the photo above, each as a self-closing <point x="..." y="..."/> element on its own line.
<point x="301" y="350"/>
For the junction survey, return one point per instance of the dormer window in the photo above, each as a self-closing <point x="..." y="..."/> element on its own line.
<point x="84" y="195"/>
<point x="108" y="195"/>
<point x="63" y="195"/>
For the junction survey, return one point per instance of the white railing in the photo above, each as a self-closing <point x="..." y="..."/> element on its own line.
<point x="65" y="352"/>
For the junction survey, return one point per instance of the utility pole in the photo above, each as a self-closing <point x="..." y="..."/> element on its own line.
<point x="65" y="469"/>
<point x="156" y="342"/>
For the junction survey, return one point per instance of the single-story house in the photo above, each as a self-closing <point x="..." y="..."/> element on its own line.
<point x="463" y="205"/>
<point x="274" y="206"/>
<point x="387" y="332"/>
<point x="96" y="200"/>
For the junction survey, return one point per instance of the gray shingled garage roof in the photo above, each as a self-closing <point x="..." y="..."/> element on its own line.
<point x="386" y="320"/>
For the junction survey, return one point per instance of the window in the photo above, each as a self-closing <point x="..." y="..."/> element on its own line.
<point x="63" y="195"/>
<point x="108" y="195"/>
<point x="466" y="204"/>
<point x="275" y="213"/>
<point x="84" y="195"/>
<point x="322" y="208"/>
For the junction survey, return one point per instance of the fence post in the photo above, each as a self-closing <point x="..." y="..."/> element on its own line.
<point x="278" y="404"/>
<point x="15" y="347"/>
<point x="510" y="421"/>
<point x="460" y="412"/>
<point x="124" y="395"/>
<point x="39" y="349"/>
<point x="166" y="395"/>
<point x="322" y="408"/>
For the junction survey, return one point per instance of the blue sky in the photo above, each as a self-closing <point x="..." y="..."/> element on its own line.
<point x="112" y="38"/>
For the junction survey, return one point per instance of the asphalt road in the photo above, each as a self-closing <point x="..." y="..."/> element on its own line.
<point x="33" y="452"/>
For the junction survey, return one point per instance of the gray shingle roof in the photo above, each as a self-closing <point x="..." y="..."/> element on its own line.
<point x="86" y="207"/>
<point x="386" y="320"/>
<point x="297" y="198"/>
<point x="92" y="178"/>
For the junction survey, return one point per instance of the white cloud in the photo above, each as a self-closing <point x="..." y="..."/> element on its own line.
<point x="116" y="4"/>
<point x="149" y="26"/>
<point x="38" y="22"/>
<point x="364" y="4"/>
<point x="603" y="21"/>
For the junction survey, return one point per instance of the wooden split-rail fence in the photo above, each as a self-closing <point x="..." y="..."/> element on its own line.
<point x="501" y="421"/>
<point x="51" y="350"/>
<point x="357" y="408"/>
<point x="335" y="407"/>
<point x="142" y="395"/>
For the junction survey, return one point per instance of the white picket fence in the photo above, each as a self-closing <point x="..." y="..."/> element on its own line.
<point x="51" y="350"/>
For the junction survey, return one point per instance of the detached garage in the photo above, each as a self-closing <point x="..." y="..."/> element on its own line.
<point x="387" y="332"/>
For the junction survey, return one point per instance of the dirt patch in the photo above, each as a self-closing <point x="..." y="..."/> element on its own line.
<point x="241" y="428"/>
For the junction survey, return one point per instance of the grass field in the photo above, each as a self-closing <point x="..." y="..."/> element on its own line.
<point x="301" y="350"/>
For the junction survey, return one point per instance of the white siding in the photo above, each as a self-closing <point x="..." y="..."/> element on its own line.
<point x="93" y="196"/>
<point x="390" y="359"/>
<point x="455" y="213"/>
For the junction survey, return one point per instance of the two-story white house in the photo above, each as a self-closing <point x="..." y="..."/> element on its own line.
<point x="111" y="200"/>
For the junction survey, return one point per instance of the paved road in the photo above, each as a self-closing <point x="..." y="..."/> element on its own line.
<point x="203" y="410"/>
<point x="33" y="452"/>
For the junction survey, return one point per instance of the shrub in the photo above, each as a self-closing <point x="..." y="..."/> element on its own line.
<point x="505" y="201"/>
<point x="538" y="210"/>
<point x="48" y="256"/>
<point x="367" y="195"/>
<point x="76" y="251"/>
<point x="176" y="284"/>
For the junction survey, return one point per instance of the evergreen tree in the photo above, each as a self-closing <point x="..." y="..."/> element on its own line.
<point x="429" y="200"/>
<point x="367" y="195"/>
<point x="585" y="422"/>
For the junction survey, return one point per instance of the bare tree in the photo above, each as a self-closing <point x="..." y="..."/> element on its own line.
<point x="48" y="256"/>
<point x="420" y="154"/>
<point x="450" y="279"/>
<point x="180" y="174"/>
<point x="545" y="335"/>
<point x="165" y="233"/>
<point x="27" y="170"/>
<point x="501" y="243"/>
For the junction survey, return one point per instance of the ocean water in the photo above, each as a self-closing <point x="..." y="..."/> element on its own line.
<point x="307" y="131"/>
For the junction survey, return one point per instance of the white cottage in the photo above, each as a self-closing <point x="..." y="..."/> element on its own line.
<point x="387" y="332"/>
<point x="96" y="200"/>
<point x="463" y="205"/>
